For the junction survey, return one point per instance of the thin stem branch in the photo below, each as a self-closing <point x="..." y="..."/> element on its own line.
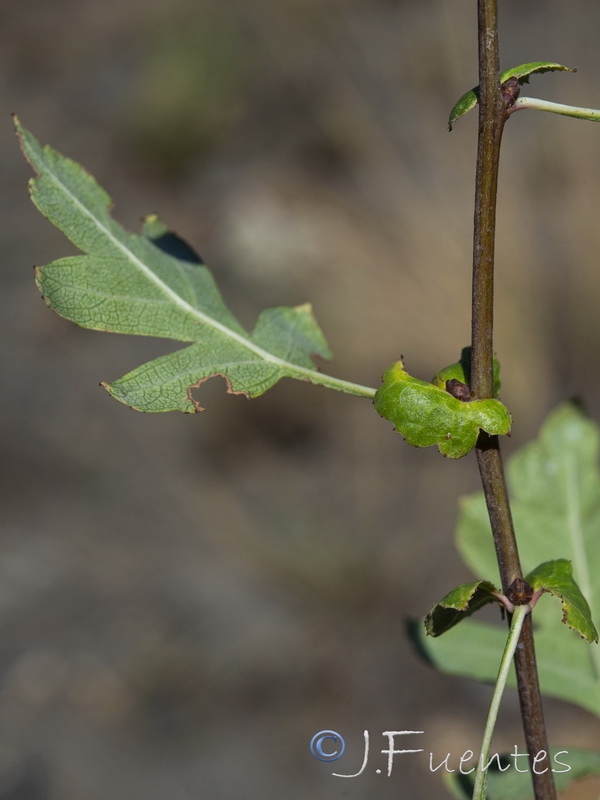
<point x="479" y="788"/>
<point x="493" y="111"/>
<point x="592" y="114"/>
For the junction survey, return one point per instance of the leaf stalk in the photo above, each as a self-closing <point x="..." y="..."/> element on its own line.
<point x="480" y="786"/>
<point x="592" y="114"/>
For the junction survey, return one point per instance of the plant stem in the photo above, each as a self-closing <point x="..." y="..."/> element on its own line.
<point x="493" y="112"/>
<point x="479" y="789"/>
<point x="491" y="124"/>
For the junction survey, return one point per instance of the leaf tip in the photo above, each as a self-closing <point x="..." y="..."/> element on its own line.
<point x="20" y="131"/>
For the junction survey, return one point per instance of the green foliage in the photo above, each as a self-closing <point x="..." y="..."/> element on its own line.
<point x="152" y="285"/>
<point x="426" y="415"/>
<point x="459" y="604"/>
<point x="515" y="784"/>
<point x="555" y="488"/>
<point x="556" y="577"/>
<point x="523" y="71"/>
<point x="469" y="99"/>
<point x="461" y="371"/>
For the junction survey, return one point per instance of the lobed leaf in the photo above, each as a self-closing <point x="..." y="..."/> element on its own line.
<point x="470" y="99"/>
<point x="554" y="484"/>
<point x="154" y="285"/>
<point x="459" y="604"/>
<point x="426" y="415"/>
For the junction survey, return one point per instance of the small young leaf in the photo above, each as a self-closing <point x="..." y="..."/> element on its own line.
<point x="567" y="764"/>
<point x="458" y="604"/>
<point x="154" y="285"/>
<point x="426" y="415"/>
<point x="469" y="99"/>
<point x="461" y="371"/>
<point x="554" y="484"/>
<point x="463" y="105"/>
<point x="556" y="577"/>
<point x="523" y="71"/>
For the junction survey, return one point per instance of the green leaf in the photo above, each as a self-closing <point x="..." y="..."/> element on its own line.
<point x="515" y="784"/>
<point x="154" y="285"/>
<point x="463" y="105"/>
<point x="472" y="649"/>
<point x="469" y="99"/>
<point x="523" y="71"/>
<point x="458" y="604"/>
<point x="555" y="489"/>
<point x="426" y="415"/>
<point x="461" y="371"/>
<point x="556" y="577"/>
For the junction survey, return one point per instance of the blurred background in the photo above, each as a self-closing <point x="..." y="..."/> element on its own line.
<point x="186" y="600"/>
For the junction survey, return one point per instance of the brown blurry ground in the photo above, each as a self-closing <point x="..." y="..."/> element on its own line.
<point x="185" y="601"/>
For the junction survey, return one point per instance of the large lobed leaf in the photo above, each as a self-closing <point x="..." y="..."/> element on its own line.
<point x="152" y="285"/>
<point x="555" y="489"/>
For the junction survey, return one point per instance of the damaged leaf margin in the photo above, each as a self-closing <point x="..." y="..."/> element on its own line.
<point x="154" y="285"/>
<point x="556" y="578"/>
<point x="459" y="604"/>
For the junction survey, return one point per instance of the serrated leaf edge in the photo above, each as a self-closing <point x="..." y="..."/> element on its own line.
<point x="494" y="595"/>
<point x="564" y="600"/>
